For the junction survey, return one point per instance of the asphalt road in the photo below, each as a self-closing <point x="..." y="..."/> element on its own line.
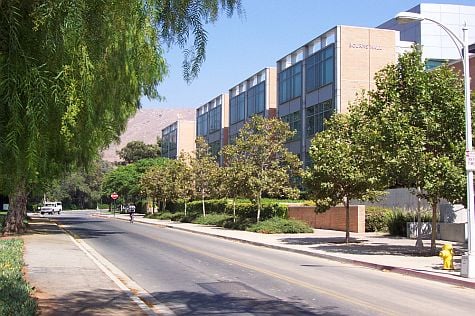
<point x="199" y="275"/>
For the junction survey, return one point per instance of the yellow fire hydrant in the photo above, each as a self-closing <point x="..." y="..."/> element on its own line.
<point x="447" y="255"/>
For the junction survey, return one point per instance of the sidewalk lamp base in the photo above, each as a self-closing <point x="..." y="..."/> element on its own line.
<point x="467" y="269"/>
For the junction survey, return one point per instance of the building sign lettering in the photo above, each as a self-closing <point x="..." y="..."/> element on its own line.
<point x="365" y="46"/>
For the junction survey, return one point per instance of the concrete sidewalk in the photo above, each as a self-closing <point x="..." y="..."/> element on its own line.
<point x="66" y="280"/>
<point x="373" y="250"/>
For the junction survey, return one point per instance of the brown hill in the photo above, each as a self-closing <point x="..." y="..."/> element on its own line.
<point x="146" y="125"/>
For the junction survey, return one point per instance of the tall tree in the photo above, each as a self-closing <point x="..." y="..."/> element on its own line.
<point x="136" y="150"/>
<point x="71" y="75"/>
<point x="413" y="125"/>
<point x="262" y="161"/>
<point x="338" y="172"/>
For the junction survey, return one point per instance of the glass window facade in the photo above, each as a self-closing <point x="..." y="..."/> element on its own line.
<point x="215" y="119"/>
<point x="290" y="83"/>
<point x="169" y="142"/>
<point x="316" y="115"/>
<point x="293" y="119"/>
<point x="202" y="125"/>
<point x="236" y="108"/>
<point x="319" y="69"/>
<point x="256" y="99"/>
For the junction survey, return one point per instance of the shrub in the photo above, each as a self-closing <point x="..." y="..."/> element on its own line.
<point x="14" y="291"/>
<point x="376" y="218"/>
<point x="278" y="225"/>
<point x="398" y="218"/>
<point x="212" y="219"/>
<point x="167" y="215"/>
<point x="239" y="224"/>
<point x="249" y="210"/>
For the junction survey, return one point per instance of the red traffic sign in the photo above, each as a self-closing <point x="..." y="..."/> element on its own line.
<point x="114" y="196"/>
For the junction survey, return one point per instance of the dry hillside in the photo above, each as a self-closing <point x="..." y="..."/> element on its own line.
<point x="146" y="125"/>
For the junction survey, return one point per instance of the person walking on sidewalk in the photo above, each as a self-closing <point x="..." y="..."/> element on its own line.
<point x="131" y="212"/>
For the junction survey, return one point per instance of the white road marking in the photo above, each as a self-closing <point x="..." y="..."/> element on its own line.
<point x="140" y="296"/>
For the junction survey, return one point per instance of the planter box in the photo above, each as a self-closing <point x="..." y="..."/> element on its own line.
<point x="334" y="218"/>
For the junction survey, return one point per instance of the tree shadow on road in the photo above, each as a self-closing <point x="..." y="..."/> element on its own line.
<point x="197" y="303"/>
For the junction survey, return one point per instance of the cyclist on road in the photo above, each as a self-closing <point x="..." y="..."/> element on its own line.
<point x="131" y="212"/>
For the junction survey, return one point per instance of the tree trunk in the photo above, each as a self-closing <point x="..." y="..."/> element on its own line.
<point x="185" y="208"/>
<point x="433" y="249"/>
<point x="259" y="207"/>
<point x="419" y="243"/>
<point x="347" y="207"/>
<point x="203" y="201"/>
<point x="234" y="210"/>
<point x="14" y="223"/>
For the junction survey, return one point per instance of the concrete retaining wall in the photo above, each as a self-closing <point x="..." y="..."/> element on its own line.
<point x="452" y="231"/>
<point x="334" y="218"/>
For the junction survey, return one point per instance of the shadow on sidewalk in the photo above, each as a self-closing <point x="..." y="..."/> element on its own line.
<point x="99" y="302"/>
<point x="358" y="246"/>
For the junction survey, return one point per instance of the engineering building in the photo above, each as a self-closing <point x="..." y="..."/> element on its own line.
<point x="212" y="122"/>
<point x="178" y="137"/>
<point x="437" y="46"/>
<point x="323" y="76"/>
<point x="254" y="96"/>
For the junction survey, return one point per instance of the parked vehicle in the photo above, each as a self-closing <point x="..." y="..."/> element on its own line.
<point x="51" y="208"/>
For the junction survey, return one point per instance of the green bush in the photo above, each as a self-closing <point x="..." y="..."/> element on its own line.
<point x="213" y="219"/>
<point x="3" y="215"/>
<point x="376" y="218"/>
<point x="397" y="221"/>
<point x="278" y="225"/>
<point x="14" y="291"/>
<point x="249" y="210"/>
<point x="239" y="223"/>
<point x="167" y="215"/>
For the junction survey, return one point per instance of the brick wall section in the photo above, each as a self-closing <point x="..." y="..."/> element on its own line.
<point x="334" y="218"/>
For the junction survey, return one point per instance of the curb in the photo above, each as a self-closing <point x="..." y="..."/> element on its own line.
<point x="376" y="266"/>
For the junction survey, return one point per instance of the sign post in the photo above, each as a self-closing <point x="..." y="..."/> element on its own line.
<point x="114" y="197"/>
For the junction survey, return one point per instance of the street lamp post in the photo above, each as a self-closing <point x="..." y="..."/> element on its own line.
<point x="468" y="260"/>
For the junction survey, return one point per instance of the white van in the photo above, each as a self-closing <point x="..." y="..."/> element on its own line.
<point x="51" y="208"/>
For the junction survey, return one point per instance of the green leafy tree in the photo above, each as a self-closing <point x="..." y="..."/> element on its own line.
<point x="413" y="125"/>
<point x="338" y="172"/>
<point x="136" y="150"/>
<point x="71" y="75"/>
<point x="125" y="180"/>
<point x="205" y="170"/>
<point x="182" y="178"/>
<point x="261" y="161"/>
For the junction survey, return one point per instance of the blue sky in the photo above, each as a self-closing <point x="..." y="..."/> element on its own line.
<point x="238" y="47"/>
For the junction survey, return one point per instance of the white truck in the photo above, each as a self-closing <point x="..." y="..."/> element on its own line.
<point x="51" y="208"/>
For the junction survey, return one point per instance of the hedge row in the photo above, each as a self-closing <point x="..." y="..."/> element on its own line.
<point x="223" y="206"/>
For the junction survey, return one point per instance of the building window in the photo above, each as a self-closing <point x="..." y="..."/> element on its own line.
<point x="290" y="83"/>
<point x="316" y="116"/>
<point x="214" y="148"/>
<point x="319" y="69"/>
<point x="236" y="107"/>
<point x="293" y="119"/>
<point x="256" y="99"/>
<point x="169" y="144"/>
<point x="215" y="119"/>
<point x="202" y="125"/>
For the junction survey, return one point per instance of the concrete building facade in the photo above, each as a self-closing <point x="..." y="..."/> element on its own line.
<point x="178" y="137"/>
<point x="253" y="96"/>
<point x="323" y="76"/>
<point x="437" y="46"/>
<point x="212" y="122"/>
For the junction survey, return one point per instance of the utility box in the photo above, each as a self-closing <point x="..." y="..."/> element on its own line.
<point x="467" y="268"/>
